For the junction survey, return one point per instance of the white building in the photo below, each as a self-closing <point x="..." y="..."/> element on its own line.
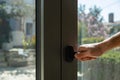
<point x="22" y="28"/>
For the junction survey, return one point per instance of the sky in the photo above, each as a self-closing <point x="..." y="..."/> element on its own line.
<point x="107" y="6"/>
<point x="29" y="1"/>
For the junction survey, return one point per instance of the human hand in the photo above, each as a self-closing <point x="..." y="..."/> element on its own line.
<point x="88" y="52"/>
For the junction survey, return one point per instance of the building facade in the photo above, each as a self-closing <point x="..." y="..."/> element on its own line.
<point x="22" y="28"/>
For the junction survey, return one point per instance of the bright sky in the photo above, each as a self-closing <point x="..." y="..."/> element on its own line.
<point x="29" y="1"/>
<point x="107" y="7"/>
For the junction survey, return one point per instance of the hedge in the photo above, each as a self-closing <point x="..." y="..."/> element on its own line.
<point x="112" y="55"/>
<point x="92" y="40"/>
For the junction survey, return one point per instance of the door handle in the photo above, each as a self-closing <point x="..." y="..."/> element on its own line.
<point x="69" y="53"/>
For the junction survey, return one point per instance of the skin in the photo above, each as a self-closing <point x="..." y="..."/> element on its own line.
<point x="94" y="50"/>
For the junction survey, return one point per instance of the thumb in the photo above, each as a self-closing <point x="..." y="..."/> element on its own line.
<point x="79" y="55"/>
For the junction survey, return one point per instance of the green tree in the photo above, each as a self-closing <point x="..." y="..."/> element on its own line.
<point x="20" y="10"/>
<point x="4" y="24"/>
<point x="16" y="9"/>
<point x="93" y="26"/>
<point x="95" y="11"/>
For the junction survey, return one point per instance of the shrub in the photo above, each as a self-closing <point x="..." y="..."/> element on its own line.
<point x="111" y="56"/>
<point x="33" y="41"/>
<point x="92" y="40"/>
<point x="30" y="43"/>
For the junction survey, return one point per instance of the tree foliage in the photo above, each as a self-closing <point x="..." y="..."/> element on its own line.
<point x="92" y="21"/>
<point x="4" y="24"/>
<point x="19" y="8"/>
<point x="13" y="9"/>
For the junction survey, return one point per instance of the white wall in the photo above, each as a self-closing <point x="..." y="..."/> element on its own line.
<point x="18" y="37"/>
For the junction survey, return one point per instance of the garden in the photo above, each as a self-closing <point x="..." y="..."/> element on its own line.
<point x="106" y="67"/>
<point x="92" y="29"/>
<point x="17" y="48"/>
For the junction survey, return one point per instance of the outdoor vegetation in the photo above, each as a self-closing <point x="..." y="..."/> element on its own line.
<point x="91" y="29"/>
<point x="4" y="24"/>
<point x="17" y="10"/>
<point x="16" y="62"/>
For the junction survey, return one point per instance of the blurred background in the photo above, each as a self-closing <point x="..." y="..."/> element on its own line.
<point x="98" y="20"/>
<point x="17" y="40"/>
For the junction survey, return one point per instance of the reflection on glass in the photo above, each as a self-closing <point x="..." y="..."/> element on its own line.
<point x="98" y="20"/>
<point x="17" y="40"/>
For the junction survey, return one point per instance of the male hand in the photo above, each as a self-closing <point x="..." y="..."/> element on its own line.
<point x="88" y="52"/>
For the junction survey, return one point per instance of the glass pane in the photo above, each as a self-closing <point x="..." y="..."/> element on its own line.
<point x="98" y="20"/>
<point x="17" y="40"/>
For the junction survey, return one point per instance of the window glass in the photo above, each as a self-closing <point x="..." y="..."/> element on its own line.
<point x="98" y="20"/>
<point x="17" y="40"/>
<point x="29" y="28"/>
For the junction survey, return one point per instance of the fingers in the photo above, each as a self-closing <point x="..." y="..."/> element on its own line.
<point x="82" y="54"/>
<point x="84" y="57"/>
<point x="87" y="58"/>
<point x="85" y="53"/>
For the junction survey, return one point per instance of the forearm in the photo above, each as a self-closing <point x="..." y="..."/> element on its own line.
<point x="111" y="42"/>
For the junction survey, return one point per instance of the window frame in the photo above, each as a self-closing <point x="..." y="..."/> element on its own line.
<point x="39" y="45"/>
<point x="56" y="28"/>
<point x="69" y="37"/>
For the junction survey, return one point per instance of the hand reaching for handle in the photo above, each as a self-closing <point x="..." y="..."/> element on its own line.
<point x="88" y="52"/>
<point x="94" y="50"/>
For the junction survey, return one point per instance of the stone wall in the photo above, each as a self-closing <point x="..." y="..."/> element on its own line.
<point x="14" y="59"/>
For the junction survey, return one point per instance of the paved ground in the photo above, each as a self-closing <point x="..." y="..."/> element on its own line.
<point x="22" y="73"/>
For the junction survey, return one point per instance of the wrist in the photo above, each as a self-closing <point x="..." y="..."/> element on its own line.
<point x="104" y="46"/>
<point x="99" y="47"/>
